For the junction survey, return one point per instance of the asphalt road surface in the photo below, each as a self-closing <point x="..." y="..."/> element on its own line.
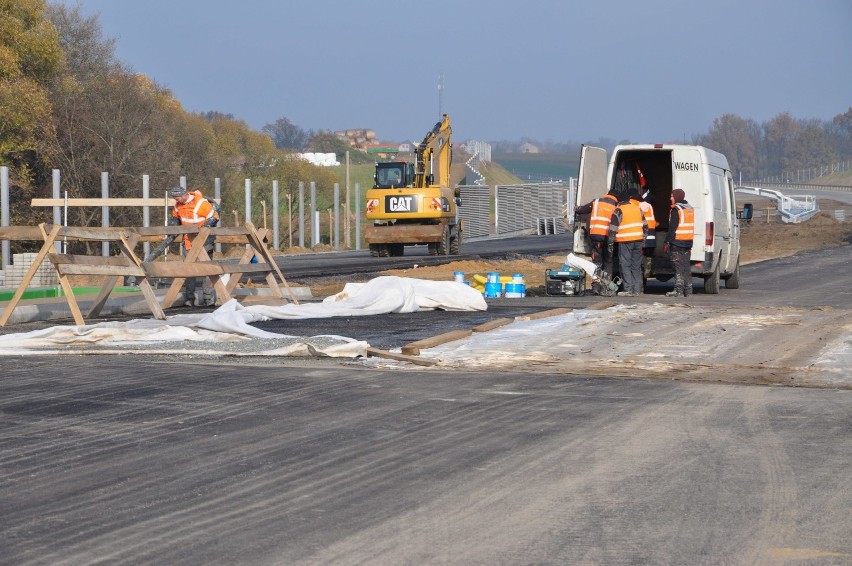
<point x="125" y="460"/>
<point x="117" y="462"/>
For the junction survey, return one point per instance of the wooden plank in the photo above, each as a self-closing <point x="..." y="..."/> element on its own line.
<point x="45" y="249"/>
<point x="492" y="324"/>
<point x="183" y="269"/>
<point x="377" y="353"/>
<point x="74" y="269"/>
<point x="126" y="245"/>
<point x="544" y="314"/>
<point x="71" y="300"/>
<point x="246" y="268"/>
<point x="20" y="233"/>
<point x="71" y="259"/>
<point x="91" y="234"/>
<point x="163" y="230"/>
<point x="413" y="348"/>
<point x="258" y="243"/>
<point x="103" y="295"/>
<point x="111" y="201"/>
<point x="151" y="299"/>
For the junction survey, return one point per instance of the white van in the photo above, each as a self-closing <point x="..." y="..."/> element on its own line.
<point x="705" y="177"/>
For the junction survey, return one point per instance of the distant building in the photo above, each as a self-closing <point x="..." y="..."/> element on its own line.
<point x="321" y="159"/>
<point x="407" y="147"/>
<point x="529" y="148"/>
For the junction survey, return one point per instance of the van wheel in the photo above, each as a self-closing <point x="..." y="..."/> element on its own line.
<point x="732" y="281"/>
<point x="711" y="282"/>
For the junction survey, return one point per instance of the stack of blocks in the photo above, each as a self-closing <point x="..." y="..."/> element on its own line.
<point x="14" y="274"/>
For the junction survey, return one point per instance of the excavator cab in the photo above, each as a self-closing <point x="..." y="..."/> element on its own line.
<point x="394" y="174"/>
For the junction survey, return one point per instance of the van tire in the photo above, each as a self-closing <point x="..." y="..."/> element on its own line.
<point x="711" y="281"/>
<point x="732" y="281"/>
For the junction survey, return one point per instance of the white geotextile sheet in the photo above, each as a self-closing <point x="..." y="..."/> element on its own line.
<point x="230" y="323"/>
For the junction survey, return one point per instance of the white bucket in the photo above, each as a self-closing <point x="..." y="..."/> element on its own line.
<point x="492" y="277"/>
<point x="458" y="276"/>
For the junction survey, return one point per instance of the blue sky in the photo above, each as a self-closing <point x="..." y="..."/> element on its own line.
<point x="644" y="71"/>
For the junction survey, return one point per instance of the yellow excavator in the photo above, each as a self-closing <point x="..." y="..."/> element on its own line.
<point x="413" y="203"/>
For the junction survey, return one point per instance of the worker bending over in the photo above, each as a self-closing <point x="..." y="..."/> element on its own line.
<point x="628" y="229"/>
<point x="191" y="209"/>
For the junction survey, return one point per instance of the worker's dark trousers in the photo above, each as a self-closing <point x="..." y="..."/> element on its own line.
<point x="630" y="265"/>
<point x="602" y="256"/>
<point x="191" y="283"/>
<point x="683" y="272"/>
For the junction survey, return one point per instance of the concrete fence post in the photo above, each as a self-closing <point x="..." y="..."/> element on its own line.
<point x="275" y="215"/>
<point x="4" y="211"/>
<point x="105" y="210"/>
<point x="301" y="214"/>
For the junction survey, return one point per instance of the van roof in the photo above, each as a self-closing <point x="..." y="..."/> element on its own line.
<point x="708" y="154"/>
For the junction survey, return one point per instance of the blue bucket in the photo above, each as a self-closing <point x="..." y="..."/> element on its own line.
<point x="515" y="290"/>
<point x="493" y="290"/>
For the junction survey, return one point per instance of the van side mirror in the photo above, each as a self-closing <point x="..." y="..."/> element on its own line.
<point x="746" y="213"/>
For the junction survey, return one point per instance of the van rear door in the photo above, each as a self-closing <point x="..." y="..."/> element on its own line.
<point x="591" y="184"/>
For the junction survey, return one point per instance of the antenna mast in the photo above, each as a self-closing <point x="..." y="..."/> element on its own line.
<point x="440" y="95"/>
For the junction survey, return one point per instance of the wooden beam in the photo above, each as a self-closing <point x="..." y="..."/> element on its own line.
<point x="413" y="349"/>
<point x="45" y="249"/>
<point x="184" y="269"/>
<point x="377" y="353"/>
<point x="112" y="201"/>
<point x="492" y="324"/>
<point x="20" y="233"/>
<point x="93" y="269"/>
<point x="544" y="314"/>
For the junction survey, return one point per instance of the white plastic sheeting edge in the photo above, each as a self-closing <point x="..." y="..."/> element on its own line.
<point x="231" y="323"/>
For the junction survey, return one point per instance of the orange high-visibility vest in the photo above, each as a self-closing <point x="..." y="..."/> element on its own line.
<point x="648" y="212"/>
<point x="685" y="222"/>
<point x="194" y="212"/>
<point x="602" y="209"/>
<point x="630" y="228"/>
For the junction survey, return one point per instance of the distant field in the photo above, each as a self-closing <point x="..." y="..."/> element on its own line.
<point x="538" y="166"/>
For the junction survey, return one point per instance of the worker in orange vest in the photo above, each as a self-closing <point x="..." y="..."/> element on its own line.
<point x="601" y="211"/>
<point x="628" y="229"/>
<point x="679" y="243"/>
<point x="191" y="209"/>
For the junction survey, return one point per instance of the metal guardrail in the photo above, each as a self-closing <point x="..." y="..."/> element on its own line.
<point x="792" y="210"/>
<point x="803" y="186"/>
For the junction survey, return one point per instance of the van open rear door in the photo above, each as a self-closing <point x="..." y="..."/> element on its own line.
<point x="591" y="184"/>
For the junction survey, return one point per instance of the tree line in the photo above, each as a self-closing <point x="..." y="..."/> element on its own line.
<point x="773" y="149"/>
<point x="67" y="103"/>
<point x="780" y="146"/>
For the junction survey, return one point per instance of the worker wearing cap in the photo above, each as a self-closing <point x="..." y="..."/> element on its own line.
<point x="191" y="209"/>
<point x="679" y="243"/>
